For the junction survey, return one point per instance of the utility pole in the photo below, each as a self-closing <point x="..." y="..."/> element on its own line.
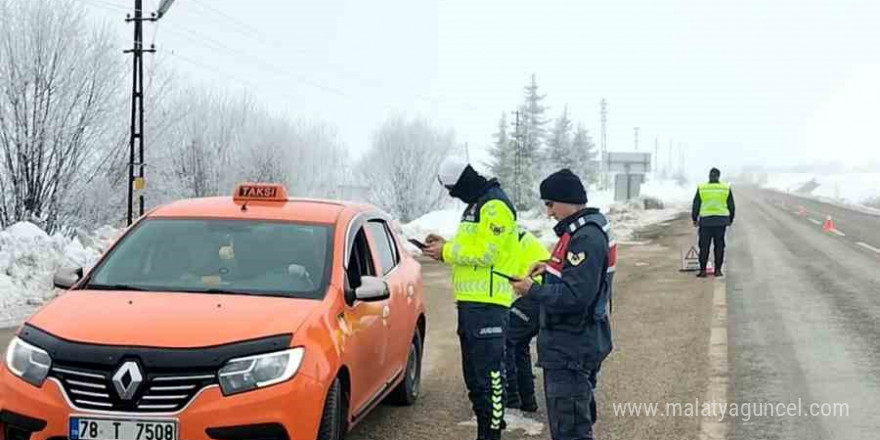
<point x="655" y="160"/>
<point x="517" y="159"/>
<point x="136" y="137"/>
<point x="602" y="158"/>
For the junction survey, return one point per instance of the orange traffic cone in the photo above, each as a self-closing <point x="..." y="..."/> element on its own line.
<point x="828" y="226"/>
<point x="801" y="211"/>
<point x="710" y="268"/>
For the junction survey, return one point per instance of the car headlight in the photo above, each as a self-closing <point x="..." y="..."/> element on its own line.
<point x="30" y="363"/>
<point x="252" y="372"/>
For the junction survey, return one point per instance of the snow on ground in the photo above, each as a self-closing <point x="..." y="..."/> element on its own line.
<point x="849" y="188"/>
<point x="29" y="259"/>
<point x="625" y="218"/>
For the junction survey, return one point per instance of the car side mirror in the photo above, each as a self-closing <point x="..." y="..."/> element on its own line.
<point x="372" y="289"/>
<point x="67" y="278"/>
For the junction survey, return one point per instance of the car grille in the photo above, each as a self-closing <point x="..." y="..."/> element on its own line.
<point x="93" y="389"/>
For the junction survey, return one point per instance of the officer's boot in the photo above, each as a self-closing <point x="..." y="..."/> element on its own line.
<point x="529" y="404"/>
<point x="702" y="273"/>
<point x="491" y="434"/>
<point x="513" y="400"/>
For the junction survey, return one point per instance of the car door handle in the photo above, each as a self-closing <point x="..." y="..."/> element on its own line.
<point x="410" y="291"/>
<point x="386" y="312"/>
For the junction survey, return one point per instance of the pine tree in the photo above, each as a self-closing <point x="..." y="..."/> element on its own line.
<point x="584" y="155"/>
<point x="559" y="147"/>
<point x="532" y="135"/>
<point x="502" y="162"/>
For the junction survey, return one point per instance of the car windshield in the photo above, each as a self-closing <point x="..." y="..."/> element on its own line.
<point x="219" y="256"/>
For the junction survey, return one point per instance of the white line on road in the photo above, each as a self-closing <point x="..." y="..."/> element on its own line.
<point x="816" y="221"/>
<point x="838" y="232"/>
<point x="711" y="428"/>
<point x="868" y="247"/>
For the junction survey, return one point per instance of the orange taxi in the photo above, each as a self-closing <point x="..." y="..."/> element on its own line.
<point x="252" y="317"/>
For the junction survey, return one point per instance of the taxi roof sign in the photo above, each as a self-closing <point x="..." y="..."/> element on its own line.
<point x="267" y="192"/>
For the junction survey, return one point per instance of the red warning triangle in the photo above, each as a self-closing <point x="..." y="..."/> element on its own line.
<point x="692" y="254"/>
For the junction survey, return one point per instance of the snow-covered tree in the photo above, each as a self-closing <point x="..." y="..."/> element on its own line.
<point x="560" y="153"/>
<point x="58" y="79"/>
<point x="401" y="167"/>
<point x="584" y="155"/>
<point x="528" y="153"/>
<point x="501" y="164"/>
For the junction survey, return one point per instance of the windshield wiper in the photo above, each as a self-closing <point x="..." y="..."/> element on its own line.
<point x="219" y="291"/>
<point x="112" y="287"/>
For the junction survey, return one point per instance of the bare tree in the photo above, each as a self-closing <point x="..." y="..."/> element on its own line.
<point x="58" y="80"/>
<point x="401" y="166"/>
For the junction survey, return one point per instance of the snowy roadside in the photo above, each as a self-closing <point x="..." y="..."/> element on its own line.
<point x="850" y="190"/>
<point x="625" y="218"/>
<point x="29" y="258"/>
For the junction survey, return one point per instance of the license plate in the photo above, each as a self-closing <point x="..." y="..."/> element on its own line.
<point x="88" y="428"/>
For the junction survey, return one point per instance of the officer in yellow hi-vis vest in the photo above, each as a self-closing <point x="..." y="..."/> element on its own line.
<point x="713" y="212"/>
<point x="483" y="251"/>
<point x="523" y="327"/>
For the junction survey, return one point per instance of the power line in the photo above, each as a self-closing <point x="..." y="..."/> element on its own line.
<point x="105" y="5"/>
<point x="250" y="30"/>
<point x="215" y="45"/>
<point x="258" y="35"/>
<point x="244" y="82"/>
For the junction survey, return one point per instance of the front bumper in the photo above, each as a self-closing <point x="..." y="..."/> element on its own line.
<point x="255" y="415"/>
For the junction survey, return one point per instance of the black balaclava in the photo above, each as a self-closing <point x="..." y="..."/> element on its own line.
<point x="470" y="186"/>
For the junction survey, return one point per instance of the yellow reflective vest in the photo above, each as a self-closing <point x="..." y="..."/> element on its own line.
<point x="487" y="241"/>
<point x="713" y="199"/>
<point x="531" y="252"/>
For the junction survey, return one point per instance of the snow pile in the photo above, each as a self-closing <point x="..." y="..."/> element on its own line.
<point x="850" y="188"/>
<point x="670" y="192"/>
<point x="29" y="259"/>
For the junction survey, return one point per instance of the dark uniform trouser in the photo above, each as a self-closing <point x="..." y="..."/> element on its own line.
<point x="481" y="330"/>
<point x="522" y="329"/>
<point x="571" y="405"/>
<point x="709" y="234"/>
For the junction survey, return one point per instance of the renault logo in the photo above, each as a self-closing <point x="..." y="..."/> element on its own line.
<point x="127" y="380"/>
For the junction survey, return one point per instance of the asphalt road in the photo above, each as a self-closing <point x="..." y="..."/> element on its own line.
<point x="803" y="326"/>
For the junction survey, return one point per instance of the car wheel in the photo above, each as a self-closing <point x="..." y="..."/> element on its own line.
<point x="333" y="419"/>
<point x="407" y="392"/>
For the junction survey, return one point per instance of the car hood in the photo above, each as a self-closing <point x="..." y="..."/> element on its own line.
<point x="172" y="320"/>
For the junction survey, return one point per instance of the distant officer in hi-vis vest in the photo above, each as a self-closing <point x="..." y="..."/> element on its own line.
<point x="713" y="212"/>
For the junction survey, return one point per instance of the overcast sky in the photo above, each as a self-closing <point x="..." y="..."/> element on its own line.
<point x="732" y="82"/>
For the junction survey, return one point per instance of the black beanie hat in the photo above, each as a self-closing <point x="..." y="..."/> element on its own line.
<point x="564" y="186"/>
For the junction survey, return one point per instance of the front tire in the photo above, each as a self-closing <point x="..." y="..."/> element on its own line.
<point x="407" y="392"/>
<point x="335" y="407"/>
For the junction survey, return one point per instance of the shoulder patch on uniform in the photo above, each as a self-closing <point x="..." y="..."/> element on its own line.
<point x="576" y="258"/>
<point x="496" y="229"/>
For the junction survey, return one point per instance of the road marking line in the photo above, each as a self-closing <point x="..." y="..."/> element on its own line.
<point x="816" y="221"/>
<point x="838" y="232"/>
<point x="711" y="428"/>
<point x="868" y="247"/>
